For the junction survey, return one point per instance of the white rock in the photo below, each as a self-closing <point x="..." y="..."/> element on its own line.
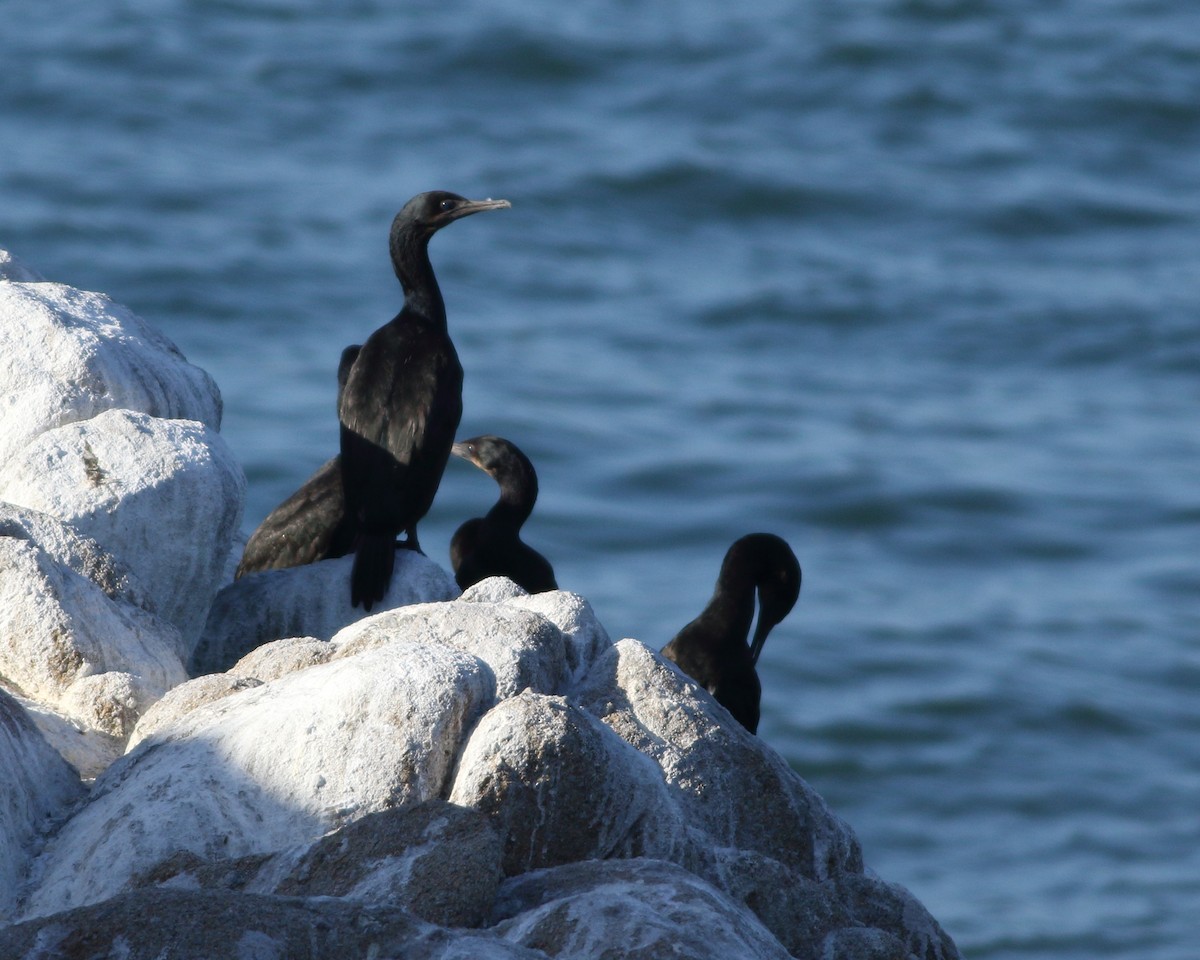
<point x="726" y="782"/>
<point x="587" y="640"/>
<point x="69" y="549"/>
<point x="36" y="788"/>
<point x="493" y="590"/>
<point x="281" y="657"/>
<point x="87" y="750"/>
<point x="559" y="785"/>
<point x="637" y="909"/>
<point x="523" y="649"/>
<point x="163" y="495"/>
<point x="67" y="355"/>
<point x="308" y="601"/>
<point x="183" y="699"/>
<point x="271" y="767"/>
<point x="69" y="646"/>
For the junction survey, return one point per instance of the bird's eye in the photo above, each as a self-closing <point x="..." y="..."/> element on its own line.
<point x="446" y="205"/>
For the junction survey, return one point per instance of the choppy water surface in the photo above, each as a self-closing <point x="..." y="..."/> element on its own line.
<point x="912" y="284"/>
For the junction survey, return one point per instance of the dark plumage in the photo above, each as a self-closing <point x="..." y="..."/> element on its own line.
<point x="712" y="648"/>
<point x="491" y="546"/>
<point x="310" y="525"/>
<point x="402" y="401"/>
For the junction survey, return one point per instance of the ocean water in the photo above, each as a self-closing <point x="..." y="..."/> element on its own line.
<point x="911" y="283"/>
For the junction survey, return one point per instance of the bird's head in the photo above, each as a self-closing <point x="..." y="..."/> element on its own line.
<point x="502" y="460"/>
<point x="426" y="213"/>
<point x="485" y="451"/>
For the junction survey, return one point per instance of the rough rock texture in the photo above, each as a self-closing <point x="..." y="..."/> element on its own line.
<point x="488" y="776"/>
<point x="164" y="495"/>
<point x="37" y="787"/>
<point x="70" y="549"/>
<point x="646" y="909"/>
<point x="203" y="925"/>
<point x="438" y="860"/>
<point x="67" y="355"/>
<point x="70" y="642"/>
<point x="271" y="767"/>
<point x="571" y="613"/>
<point x="559" y="785"/>
<point x="765" y="808"/>
<point x="308" y="601"/>
<point x="522" y="649"/>
<point x="281" y="657"/>
<point x="185" y="698"/>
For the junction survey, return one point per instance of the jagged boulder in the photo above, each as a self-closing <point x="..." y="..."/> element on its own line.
<point x="634" y="909"/>
<point x="37" y="788"/>
<point x="163" y="495"/>
<point x="561" y="787"/>
<point x="270" y="767"/>
<point x="307" y="601"/>
<point x="75" y="641"/>
<point x="67" y="355"/>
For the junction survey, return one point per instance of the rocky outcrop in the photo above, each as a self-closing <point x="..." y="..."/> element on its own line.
<point x="118" y="502"/>
<point x="308" y="601"/>
<point x="486" y="775"/>
<point x="36" y="790"/>
<point x="164" y="495"/>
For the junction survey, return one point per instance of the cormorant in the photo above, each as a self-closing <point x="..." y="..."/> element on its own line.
<point x="712" y="648"/>
<point x="310" y="525"/>
<point x="491" y="546"/>
<point x="402" y="401"/>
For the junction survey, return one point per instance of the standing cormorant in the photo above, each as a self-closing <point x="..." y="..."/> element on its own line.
<point x="712" y="648"/>
<point x="310" y="525"/>
<point x="402" y="401"/>
<point x="491" y="546"/>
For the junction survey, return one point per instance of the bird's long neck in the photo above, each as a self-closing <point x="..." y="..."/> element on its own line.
<point x="732" y="607"/>
<point x="518" y="493"/>
<point x="410" y="260"/>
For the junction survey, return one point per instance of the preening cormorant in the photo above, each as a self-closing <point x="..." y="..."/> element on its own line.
<point x="712" y="648"/>
<point x="491" y="546"/>
<point x="310" y="525"/>
<point x="402" y="401"/>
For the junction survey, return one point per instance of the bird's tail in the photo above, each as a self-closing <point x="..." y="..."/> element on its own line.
<point x="372" y="573"/>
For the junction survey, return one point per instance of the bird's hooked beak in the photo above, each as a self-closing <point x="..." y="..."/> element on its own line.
<point x="461" y="448"/>
<point x="477" y="206"/>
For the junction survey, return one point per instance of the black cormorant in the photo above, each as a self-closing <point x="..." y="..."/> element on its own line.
<point x="491" y="546"/>
<point x="712" y="648"/>
<point x="310" y="525"/>
<point x="402" y="402"/>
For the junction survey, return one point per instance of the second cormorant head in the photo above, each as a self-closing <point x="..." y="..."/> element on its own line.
<point x="712" y="649"/>
<point x="491" y="546"/>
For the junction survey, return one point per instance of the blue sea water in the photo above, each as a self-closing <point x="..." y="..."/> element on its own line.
<point x="911" y="283"/>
